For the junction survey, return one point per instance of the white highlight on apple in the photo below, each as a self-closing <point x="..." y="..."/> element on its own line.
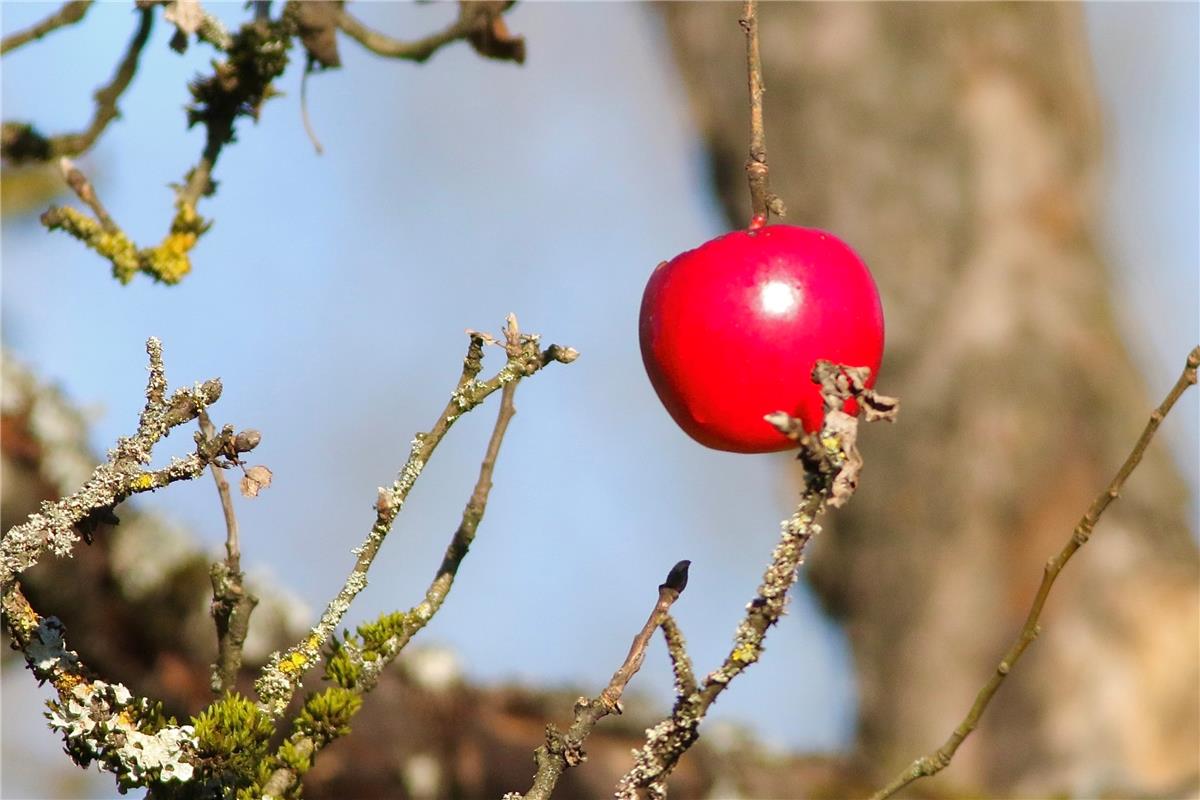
<point x="778" y="298"/>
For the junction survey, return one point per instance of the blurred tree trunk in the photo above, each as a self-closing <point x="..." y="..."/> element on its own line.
<point x="956" y="146"/>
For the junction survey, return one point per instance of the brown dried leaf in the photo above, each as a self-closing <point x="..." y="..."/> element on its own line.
<point x="255" y="480"/>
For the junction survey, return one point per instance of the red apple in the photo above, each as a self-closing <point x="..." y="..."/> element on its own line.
<point x="731" y="331"/>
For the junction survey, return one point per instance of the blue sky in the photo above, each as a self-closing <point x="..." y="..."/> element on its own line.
<point x="450" y="194"/>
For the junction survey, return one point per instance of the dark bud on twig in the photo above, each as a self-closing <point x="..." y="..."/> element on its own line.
<point x="677" y="578"/>
<point x="247" y="440"/>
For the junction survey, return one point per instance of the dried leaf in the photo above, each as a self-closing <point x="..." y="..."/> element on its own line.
<point x="255" y="480"/>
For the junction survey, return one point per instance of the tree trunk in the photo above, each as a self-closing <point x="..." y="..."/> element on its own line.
<point x="955" y="147"/>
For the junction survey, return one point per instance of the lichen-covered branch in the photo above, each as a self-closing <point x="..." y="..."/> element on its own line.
<point x="681" y="663"/>
<point x="124" y="474"/>
<point x="831" y="460"/>
<point x="939" y="759"/>
<point x="70" y="13"/>
<point x="238" y="87"/>
<point x="563" y="751"/>
<point x="480" y="23"/>
<point x="282" y="676"/>
<point x="22" y="142"/>
<point x="99" y="721"/>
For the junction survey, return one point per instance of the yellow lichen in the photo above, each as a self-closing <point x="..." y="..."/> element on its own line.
<point x="169" y="261"/>
<point x="744" y="653"/>
<point x="293" y="663"/>
<point x="142" y="482"/>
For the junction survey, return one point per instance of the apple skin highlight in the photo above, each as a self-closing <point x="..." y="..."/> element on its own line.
<point x="731" y="330"/>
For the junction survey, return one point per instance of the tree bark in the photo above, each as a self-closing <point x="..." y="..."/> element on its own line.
<point x="956" y="147"/>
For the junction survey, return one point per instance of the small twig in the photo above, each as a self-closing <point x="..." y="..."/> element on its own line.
<point x="69" y="14"/>
<point x="233" y="549"/>
<point x="668" y="593"/>
<point x="21" y="142"/>
<point x="284" y="777"/>
<point x="563" y="751"/>
<point x="939" y="759"/>
<point x="281" y="677"/>
<point x="84" y="190"/>
<point x="473" y="17"/>
<point x="762" y="202"/>
<point x="308" y="126"/>
<point x="232" y="604"/>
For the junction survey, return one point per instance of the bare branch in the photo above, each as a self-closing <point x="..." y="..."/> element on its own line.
<point x="563" y="751"/>
<point x="232" y="604"/>
<point x="282" y="676"/>
<point x="70" y="13"/>
<point x="21" y="142"/>
<point x="939" y="759"/>
<point x="480" y="22"/>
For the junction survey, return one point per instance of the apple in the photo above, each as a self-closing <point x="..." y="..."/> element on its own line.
<point x="731" y="331"/>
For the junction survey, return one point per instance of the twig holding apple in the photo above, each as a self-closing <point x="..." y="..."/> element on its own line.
<point x="762" y="201"/>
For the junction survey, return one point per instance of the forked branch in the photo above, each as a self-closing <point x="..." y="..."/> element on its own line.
<point x="281" y="677"/>
<point x="565" y="750"/>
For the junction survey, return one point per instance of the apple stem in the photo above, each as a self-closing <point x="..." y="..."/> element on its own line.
<point x="762" y="201"/>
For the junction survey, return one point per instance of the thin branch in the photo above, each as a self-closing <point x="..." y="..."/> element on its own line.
<point x="762" y="202"/>
<point x="476" y="21"/>
<point x="831" y="462"/>
<point x="232" y="604"/>
<point x="84" y="190"/>
<point x="22" y="143"/>
<point x="939" y="759"/>
<point x="69" y="14"/>
<point x="284" y="778"/>
<point x="304" y="118"/>
<point x="281" y="677"/>
<point x="563" y="751"/>
<point x="383" y="45"/>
